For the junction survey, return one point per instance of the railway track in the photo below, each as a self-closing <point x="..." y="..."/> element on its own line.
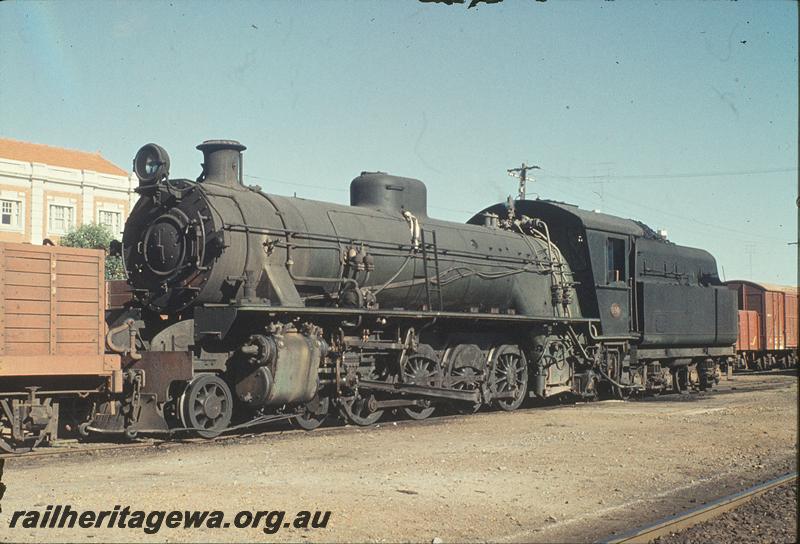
<point x="772" y="372"/>
<point x="682" y="521"/>
<point x="72" y="447"/>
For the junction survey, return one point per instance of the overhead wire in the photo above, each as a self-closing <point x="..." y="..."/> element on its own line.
<point x="296" y="184"/>
<point x="574" y="180"/>
<point x="723" y="228"/>
<point x="667" y="176"/>
<point x="336" y="189"/>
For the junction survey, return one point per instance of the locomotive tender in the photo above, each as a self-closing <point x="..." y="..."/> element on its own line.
<point x="251" y="307"/>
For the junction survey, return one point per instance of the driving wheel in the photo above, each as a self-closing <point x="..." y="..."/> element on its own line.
<point x="421" y="368"/>
<point x="509" y="377"/>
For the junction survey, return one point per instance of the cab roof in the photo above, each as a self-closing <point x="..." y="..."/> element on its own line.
<point x="589" y="219"/>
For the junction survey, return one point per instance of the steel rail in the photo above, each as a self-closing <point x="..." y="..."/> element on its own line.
<point x="684" y="520"/>
<point x="92" y="448"/>
<point x="88" y="448"/>
<point x="147" y="442"/>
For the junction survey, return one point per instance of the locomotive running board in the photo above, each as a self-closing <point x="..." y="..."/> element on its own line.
<point x="409" y="314"/>
<point x="410" y="389"/>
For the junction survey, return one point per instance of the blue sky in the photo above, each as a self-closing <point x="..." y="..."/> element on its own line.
<point x="624" y="105"/>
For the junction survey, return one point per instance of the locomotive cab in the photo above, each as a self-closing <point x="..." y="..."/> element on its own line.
<point x="661" y="304"/>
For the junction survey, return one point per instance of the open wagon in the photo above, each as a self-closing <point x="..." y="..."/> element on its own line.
<point x="53" y="363"/>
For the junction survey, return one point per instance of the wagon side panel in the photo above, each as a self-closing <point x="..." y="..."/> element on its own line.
<point x="791" y="320"/>
<point x="749" y="336"/>
<point x="52" y="312"/>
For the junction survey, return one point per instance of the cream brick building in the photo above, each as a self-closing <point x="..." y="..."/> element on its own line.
<point x="45" y="191"/>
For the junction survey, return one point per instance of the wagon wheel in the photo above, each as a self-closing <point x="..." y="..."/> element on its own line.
<point x="313" y="413"/>
<point x="421" y="368"/>
<point x="11" y="444"/>
<point x="206" y="405"/>
<point x="509" y="375"/>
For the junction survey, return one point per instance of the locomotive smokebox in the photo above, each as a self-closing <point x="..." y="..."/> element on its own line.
<point x="222" y="162"/>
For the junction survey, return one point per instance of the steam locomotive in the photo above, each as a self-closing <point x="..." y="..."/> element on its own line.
<point x="250" y="307"/>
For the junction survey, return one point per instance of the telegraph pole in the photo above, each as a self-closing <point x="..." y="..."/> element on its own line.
<point x="750" y="249"/>
<point x="522" y="174"/>
<point x="603" y="183"/>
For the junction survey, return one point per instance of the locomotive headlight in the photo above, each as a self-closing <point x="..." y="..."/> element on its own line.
<point x="151" y="164"/>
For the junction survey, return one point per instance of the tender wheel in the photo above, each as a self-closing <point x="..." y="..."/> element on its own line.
<point x="421" y="368"/>
<point x="680" y="380"/>
<point x="508" y="377"/>
<point x="207" y="405"/>
<point x="313" y="413"/>
<point x="356" y="410"/>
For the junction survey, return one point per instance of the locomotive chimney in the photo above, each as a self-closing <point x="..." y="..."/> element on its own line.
<point x="222" y="162"/>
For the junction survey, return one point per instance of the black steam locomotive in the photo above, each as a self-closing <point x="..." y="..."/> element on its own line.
<point x="251" y="307"/>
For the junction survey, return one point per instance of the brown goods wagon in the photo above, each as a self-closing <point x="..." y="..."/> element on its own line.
<point x="791" y="319"/>
<point x="774" y="320"/>
<point x="52" y="341"/>
<point x="776" y="306"/>
<point x="749" y="326"/>
<point x="52" y="313"/>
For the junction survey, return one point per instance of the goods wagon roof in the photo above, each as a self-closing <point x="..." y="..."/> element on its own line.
<point x="766" y="286"/>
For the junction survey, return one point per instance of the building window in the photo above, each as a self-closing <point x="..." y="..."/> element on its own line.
<point x="10" y="213"/>
<point x="111" y="219"/>
<point x="615" y="259"/>
<point x="62" y="218"/>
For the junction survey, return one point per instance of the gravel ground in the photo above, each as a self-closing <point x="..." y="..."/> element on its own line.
<point x="769" y="518"/>
<point x="572" y="473"/>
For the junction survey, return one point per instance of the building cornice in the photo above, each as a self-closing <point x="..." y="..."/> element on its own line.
<point x="30" y="171"/>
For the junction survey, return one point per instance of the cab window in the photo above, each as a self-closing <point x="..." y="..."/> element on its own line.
<point x="615" y="260"/>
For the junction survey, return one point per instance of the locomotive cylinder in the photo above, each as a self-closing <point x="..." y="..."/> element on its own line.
<point x="283" y="369"/>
